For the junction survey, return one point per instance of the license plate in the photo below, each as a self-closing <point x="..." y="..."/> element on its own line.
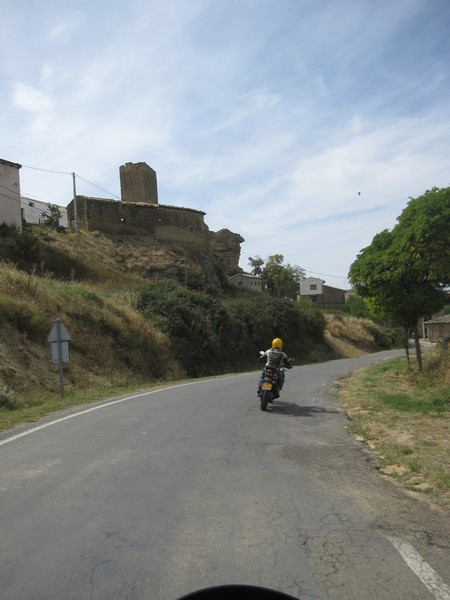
<point x="266" y="385"/>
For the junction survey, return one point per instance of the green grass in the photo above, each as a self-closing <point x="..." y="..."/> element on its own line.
<point x="411" y="402"/>
<point x="404" y="415"/>
<point x="35" y="408"/>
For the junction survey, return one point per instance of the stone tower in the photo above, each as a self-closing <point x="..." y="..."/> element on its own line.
<point x="138" y="183"/>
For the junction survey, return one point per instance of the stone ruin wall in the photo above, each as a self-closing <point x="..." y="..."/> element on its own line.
<point x="164" y="223"/>
<point x="138" y="183"/>
<point x="167" y="224"/>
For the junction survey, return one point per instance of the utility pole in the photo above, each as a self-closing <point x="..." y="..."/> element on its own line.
<point x="75" y="207"/>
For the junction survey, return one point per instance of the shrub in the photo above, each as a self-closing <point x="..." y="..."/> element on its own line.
<point x="7" y="398"/>
<point x="384" y="337"/>
<point x="261" y="319"/>
<point x="357" y="307"/>
<point x="27" y="248"/>
<point x="313" y="319"/>
<point x="199" y="327"/>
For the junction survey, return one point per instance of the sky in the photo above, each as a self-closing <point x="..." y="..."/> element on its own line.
<point x="305" y="126"/>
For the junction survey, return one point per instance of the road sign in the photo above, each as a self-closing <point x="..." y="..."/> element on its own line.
<point x="63" y="333"/>
<point x="58" y="339"/>
<point x="55" y="352"/>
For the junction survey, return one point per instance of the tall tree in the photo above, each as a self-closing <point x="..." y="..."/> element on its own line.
<point x="256" y="264"/>
<point x="423" y="231"/>
<point x="299" y="273"/>
<point x="279" y="278"/>
<point x="403" y="272"/>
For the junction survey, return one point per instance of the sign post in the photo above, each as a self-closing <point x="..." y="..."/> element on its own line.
<point x="58" y="338"/>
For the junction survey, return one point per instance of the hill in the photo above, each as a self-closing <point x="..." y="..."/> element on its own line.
<point x="139" y="312"/>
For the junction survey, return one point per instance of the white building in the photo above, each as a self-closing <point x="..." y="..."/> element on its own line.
<point x="323" y="296"/>
<point x="33" y="211"/>
<point x="10" y="213"/>
<point x="246" y="280"/>
<point x="311" y="286"/>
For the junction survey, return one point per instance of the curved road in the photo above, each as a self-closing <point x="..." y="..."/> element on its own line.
<point x="155" y="495"/>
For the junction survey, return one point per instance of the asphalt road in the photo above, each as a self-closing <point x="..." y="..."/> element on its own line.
<point x="158" y="494"/>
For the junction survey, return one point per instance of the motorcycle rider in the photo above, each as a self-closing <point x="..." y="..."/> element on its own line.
<point x="275" y="358"/>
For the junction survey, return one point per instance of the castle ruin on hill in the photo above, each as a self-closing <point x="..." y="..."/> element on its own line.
<point x="140" y="214"/>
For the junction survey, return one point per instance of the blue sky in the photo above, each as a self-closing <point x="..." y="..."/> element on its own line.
<point x="269" y="115"/>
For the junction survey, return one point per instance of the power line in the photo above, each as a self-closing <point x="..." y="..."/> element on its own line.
<point x="25" y="200"/>
<point x="307" y="270"/>
<point x="76" y="175"/>
<point x="9" y="190"/>
<point x="97" y="186"/>
<point x="46" y="170"/>
<point x="325" y="275"/>
<point x="116" y="196"/>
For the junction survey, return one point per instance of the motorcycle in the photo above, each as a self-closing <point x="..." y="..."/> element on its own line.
<point x="269" y="385"/>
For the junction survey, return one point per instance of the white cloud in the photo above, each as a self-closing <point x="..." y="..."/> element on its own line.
<point x="270" y="120"/>
<point x="65" y="24"/>
<point x="261" y="99"/>
<point x="61" y="30"/>
<point x="29" y="99"/>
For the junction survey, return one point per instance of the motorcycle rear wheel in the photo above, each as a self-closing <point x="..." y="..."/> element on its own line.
<point x="266" y="397"/>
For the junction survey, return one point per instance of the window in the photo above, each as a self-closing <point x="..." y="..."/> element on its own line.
<point x="313" y="286"/>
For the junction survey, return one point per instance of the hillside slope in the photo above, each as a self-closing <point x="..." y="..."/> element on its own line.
<point x="94" y="285"/>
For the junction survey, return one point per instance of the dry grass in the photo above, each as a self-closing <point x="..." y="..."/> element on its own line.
<point x="342" y="347"/>
<point x="350" y="336"/>
<point x="404" y="417"/>
<point x="92" y="282"/>
<point x="112" y="346"/>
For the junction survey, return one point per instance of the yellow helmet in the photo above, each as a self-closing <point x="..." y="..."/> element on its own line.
<point x="277" y="343"/>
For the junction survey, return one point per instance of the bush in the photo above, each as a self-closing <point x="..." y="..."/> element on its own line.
<point x="357" y="307"/>
<point x="27" y="248"/>
<point x="261" y="319"/>
<point x="7" y="231"/>
<point x="199" y="327"/>
<point x="384" y="337"/>
<point x="312" y="318"/>
<point x="210" y="336"/>
<point x="7" y="398"/>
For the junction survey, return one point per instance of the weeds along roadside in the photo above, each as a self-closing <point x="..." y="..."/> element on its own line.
<point x="113" y="348"/>
<point x="122" y="337"/>
<point x="113" y="343"/>
<point x="404" y="417"/>
<point x="129" y="332"/>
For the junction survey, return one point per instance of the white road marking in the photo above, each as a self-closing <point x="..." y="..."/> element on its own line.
<point x="422" y="569"/>
<point x="88" y="410"/>
<point x="110" y="403"/>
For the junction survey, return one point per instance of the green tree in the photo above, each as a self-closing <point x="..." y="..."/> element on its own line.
<point x="299" y="273"/>
<point x="357" y="307"/>
<point x="256" y="264"/>
<point x="403" y="272"/>
<point x="423" y="231"/>
<point x="279" y="278"/>
<point x="52" y="217"/>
